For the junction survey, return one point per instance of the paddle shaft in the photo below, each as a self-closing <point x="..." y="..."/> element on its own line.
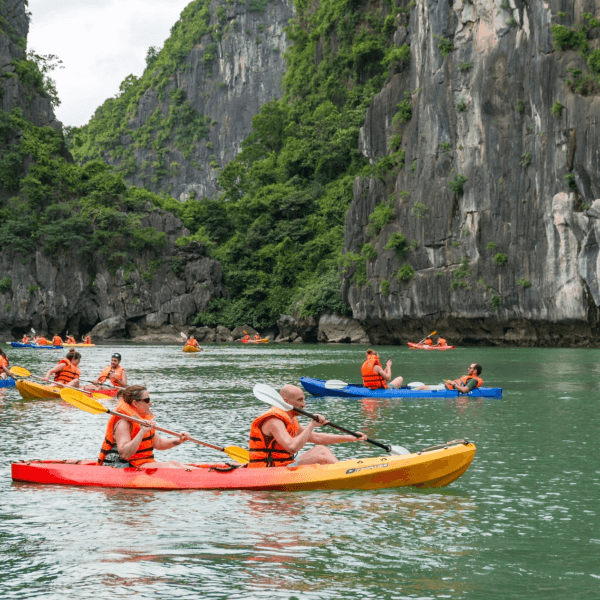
<point x="174" y="433"/>
<point x="432" y="333"/>
<point x="386" y="447"/>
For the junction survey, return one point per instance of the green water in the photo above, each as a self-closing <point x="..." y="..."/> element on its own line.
<point x="522" y="522"/>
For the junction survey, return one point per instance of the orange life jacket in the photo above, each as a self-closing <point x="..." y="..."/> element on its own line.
<point x="87" y="339"/>
<point x="193" y="342"/>
<point x="25" y="340"/>
<point x="246" y="338"/>
<point x="257" y="337"/>
<point x="372" y="380"/>
<point x="463" y="381"/>
<point x="42" y="341"/>
<point x="115" y="376"/>
<point x="145" y="451"/>
<point x="441" y="342"/>
<point x="3" y="362"/>
<point x="71" y="340"/>
<point x="57" y="340"/>
<point x="428" y="342"/>
<point x="69" y="373"/>
<point x="264" y="450"/>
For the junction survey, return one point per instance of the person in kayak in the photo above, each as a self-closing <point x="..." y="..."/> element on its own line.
<point x="192" y="341"/>
<point x="428" y="342"/>
<point x="440" y="342"/>
<point x="25" y="339"/>
<point x="66" y="371"/>
<point x="115" y="373"/>
<point x="87" y="340"/>
<point x="129" y="444"/>
<point x="57" y="341"/>
<point x="42" y="341"/>
<point x="375" y="376"/>
<point x="4" y="366"/>
<point x="71" y="340"/>
<point x="246" y="338"/>
<point x="257" y="338"/>
<point x="276" y="436"/>
<point x="464" y="384"/>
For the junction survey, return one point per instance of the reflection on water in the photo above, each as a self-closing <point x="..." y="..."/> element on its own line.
<point x="519" y="523"/>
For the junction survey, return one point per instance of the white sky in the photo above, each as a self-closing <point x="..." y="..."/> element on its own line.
<point x="100" y="42"/>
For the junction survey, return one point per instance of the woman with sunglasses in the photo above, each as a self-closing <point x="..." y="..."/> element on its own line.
<point x="129" y="444"/>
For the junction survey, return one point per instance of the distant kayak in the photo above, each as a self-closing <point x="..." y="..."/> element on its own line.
<point x="425" y="347"/>
<point x="354" y="390"/>
<point x="35" y="346"/>
<point x="436" y="466"/>
<point x="191" y="349"/>
<point x="4" y="383"/>
<point x="30" y="390"/>
<point x="78" y="345"/>
<point x="262" y="341"/>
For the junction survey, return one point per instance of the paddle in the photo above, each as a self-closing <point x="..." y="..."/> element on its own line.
<point x="265" y="393"/>
<point x="79" y="400"/>
<point x="432" y="333"/>
<point x="336" y="384"/>
<point x="23" y="373"/>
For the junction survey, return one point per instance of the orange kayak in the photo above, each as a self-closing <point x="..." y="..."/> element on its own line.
<point x="432" y="467"/>
<point x="424" y="347"/>
<point x="30" y="390"/>
<point x="191" y="349"/>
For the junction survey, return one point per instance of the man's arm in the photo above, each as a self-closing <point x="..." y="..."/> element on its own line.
<point x="332" y="438"/>
<point x="276" y="429"/>
<point x="465" y="389"/>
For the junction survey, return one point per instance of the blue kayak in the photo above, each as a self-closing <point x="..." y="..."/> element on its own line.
<point x="7" y="383"/>
<point x="354" y="390"/>
<point x="22" y="345"/>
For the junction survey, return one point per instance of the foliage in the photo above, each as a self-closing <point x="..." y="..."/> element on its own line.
<point x="404" y="113"/>
<point x="594" y="61"/>
<point x="359" y="263"/>
<point x="406" y="272"/>
<point x="380" y="217"/>
<point x="445" y="45"/>
<point x="397" y="242"/>
<point x="491" y="246"/>
<point x="496" y="301"/>
<point x="456" y="184"/>
<point x="520" y="107"/>
<point x="461" y="105"/>
<point x="395" y="54"/>
<point x="460" y="273"/>
<point x="385" y="287"/>
<point x="527" y="156"/>
<point x="445" y="146"/>
<point x="5" y="284"/>
<point x="524" y="282"/>
<point x="319" y="295"/>
<point x="368" y="251"/>
<point x="556" y="109"/>
<point x="419" y="210"/>
<point x="465" y="66"/>
<point x="500" y="259"/>
<point x="33" y="72"/>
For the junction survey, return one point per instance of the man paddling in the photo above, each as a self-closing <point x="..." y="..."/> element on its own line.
<point x="375" y="376"/>
<point x="192" y="341"/>
<point x="464" y="384"/>
<point x="71" y="340"/>
<point x="128" y="444"/>
<point x="276" y="436"/>
<point x="57" y="340"/>
<point x="115" y="373"/>
<point x="87" y="340"/>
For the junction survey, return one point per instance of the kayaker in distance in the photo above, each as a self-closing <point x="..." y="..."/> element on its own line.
<point x="428" y="342"/>
<point x="115" y="373"/>
<point x="57" y="341"/>
<point x="463" y="384"/>
<point x="375" y="376"/>
<point x="66" y="371"/>
<point x="41" y="341"/>
<point x="4" y="366"/>
<point x="192" y="341"/>
<point x="128" y="444"/>
<point x="257" y="337"/>
<point x="71" y="340"/>
<point x="87" y="340"/>
<point x="246" y="338"/>
<point x="276" y="436"/>
<point x="440" y="342"/>
<point x="24" y="339"/>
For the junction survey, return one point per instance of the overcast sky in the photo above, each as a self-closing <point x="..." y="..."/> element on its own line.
<point x="100" y="42"/>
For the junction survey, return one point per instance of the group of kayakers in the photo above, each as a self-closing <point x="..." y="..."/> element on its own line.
<point x="440" y="342"/>
<point x="40" y="340"/>
<point x="374" y="376"/>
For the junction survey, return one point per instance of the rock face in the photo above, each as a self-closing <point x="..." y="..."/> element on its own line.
<point x="510" y="255"/>
<point x="337" y="329"/>
<point x="229" y="90"/>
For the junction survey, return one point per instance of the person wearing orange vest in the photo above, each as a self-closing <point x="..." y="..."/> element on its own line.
<point x="428" y="342"/>
<point x="70" y="340"/>
<point x="375" y="376"/>
<point x="4" y="366"/>
<point x="257" y="337"/>
<point x="42" y="341"/>
<point x="441" y="342"/>
<point x="129" y="444"/>
<point x="246" y="338"/>
<point x="57" y="341"/>
<point x="192" y="341"/>
<point x="25" y="339"/>
<point x="66" y="371"/>
<point x="87" y="340"/>
<point x="276" y="436"/>
<point x="464" y="384"/>
<point x="115" y="373"/>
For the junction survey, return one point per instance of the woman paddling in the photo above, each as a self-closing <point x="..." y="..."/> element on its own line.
<point x="66" y="371"/>
<point x="4" y="366"/>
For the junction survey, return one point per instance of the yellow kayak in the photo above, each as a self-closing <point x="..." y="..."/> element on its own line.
<point x="78" y="345"/>
<point x="190" y="349"/>
<point x="37" y="391"/>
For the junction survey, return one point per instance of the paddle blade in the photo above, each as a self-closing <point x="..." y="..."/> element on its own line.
<point x="100" y="396"/>
<point x="335" y="384"/>
<point x="265" y="393"/>
<point x="20" y="372"/>
<point x="399" y="450"/>
<point x="183" y="335"/>
<point x="79" y="400"/>
<point x="414" y="384"/>
<point x="238" y="454"/>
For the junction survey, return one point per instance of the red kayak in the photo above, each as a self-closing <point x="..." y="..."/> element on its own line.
<point x="424" y="347"/>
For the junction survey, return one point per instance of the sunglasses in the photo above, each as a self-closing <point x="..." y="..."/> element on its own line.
<point x="147" y="400"/>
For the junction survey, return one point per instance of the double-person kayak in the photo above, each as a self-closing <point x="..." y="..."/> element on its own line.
<point x="425" y="347"/>
<point x="354" y="390"/>
<point x="78" y="345"/>
<point x="30" y="390"/>
<point x="36" y="346"/>
<point x="436" y="466"/>
<point x="261" y="341"/>
<point x="191" y="349"/>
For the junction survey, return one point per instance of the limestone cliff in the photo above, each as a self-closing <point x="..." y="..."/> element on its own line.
<point x="229" y="73"/>
<point x="498" y="201"/>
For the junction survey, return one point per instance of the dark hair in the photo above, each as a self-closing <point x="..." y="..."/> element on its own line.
<point x="72" y="355"/>
<point x="133" y="392"/>
<point x="478" y="368"/>
<point x="371" y="351"/>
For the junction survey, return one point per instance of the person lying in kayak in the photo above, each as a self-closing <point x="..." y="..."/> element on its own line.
<point x="375" y="376"/>
<point x="128" y="444"/>
<point x="464" y="384"/>
<point x="192" y="341"/>
<point x="66" y="371"/>
<point x="115" y="373"/>
<point x="276" y="436"/>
